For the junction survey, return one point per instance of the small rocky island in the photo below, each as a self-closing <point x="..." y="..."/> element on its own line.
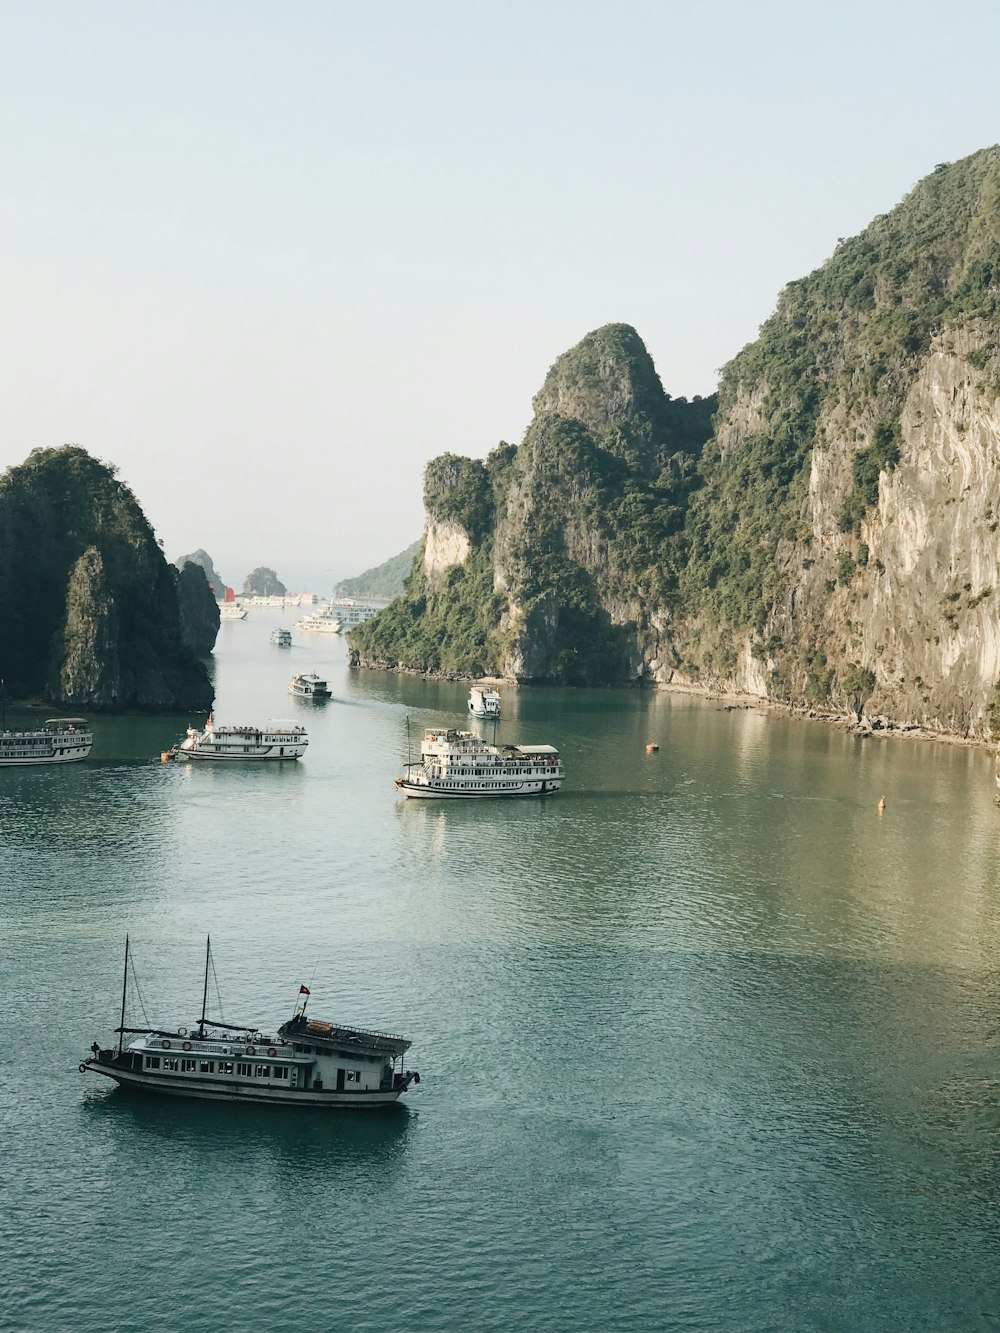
<point x="93" y="615"/>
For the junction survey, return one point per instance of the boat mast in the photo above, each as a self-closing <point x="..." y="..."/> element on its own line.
<point x="204" y="994"/>
<point x="121" y="1026"/>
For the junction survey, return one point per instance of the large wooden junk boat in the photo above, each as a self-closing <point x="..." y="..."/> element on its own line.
<point x="60" y="740"/>
<point x="305" y="1063"/>
<point x="458" y="765"/>
<point x="273" y="741"/>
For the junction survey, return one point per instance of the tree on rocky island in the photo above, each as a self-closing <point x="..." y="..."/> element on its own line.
<point x="263" y="582"/>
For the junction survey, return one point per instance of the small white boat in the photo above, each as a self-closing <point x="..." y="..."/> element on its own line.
<point x="458" y="765"/>
<point x="306" y="1063"/>
<point x="273" y="741"/>
<point x="60" y="740"/>
<point x="307" y="685"/>
<point x="281" y="638"/>
<point x="484" y="702"/>
<point x="323" y="622"/>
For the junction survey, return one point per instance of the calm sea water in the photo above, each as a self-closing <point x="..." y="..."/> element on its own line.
<point x="705" y="1042"/>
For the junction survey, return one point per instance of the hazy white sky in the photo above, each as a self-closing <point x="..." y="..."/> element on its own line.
<point x="269" y="258"/>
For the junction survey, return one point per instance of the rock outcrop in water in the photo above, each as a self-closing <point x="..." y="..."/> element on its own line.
<point x="215" y="580"/>
<point x="89" y="605"/>
<point x="832" y="541"/>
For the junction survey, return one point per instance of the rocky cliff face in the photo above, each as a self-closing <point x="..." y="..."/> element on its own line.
<point x="199" y="611"/>
<point x="832" y="542"/>
<point x="215" y="580"/>
<point x="89" y="605"/>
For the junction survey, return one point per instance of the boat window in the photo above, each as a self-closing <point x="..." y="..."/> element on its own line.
<point x="244" y="1071"/>
<point x="152" y="1062"/>
<point x="188" y="1066"/>
<point x="225" y="1066"/>
<point x="262" y="1071"/>
<point x="206" y="1067"/>
<point x="279" y="1071"/>
<point x="169" y="1063"/>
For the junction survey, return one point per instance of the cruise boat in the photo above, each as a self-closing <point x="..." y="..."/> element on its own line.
<point x="321" y="622"/>
<point x="307" y="685"/>
<point x="457" y="765"/>
<point x="484" y="702"/>
<point x="60" y="740"/>
<point x="232" y="611"/>
<point x="352" y="611"/>
<point x="281" y="638"/>
<point x="273" y="741"/>
<point x="305" y="1063"/>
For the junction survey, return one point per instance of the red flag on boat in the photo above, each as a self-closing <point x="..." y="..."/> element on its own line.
<point x="304" y="990"/>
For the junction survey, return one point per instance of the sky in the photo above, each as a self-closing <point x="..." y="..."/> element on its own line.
<point x="269" y="259"/>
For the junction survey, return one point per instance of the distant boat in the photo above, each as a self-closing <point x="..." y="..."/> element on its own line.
<point x="229" y="607"/>
<point x="457" y="765"/>
<point x="282" y="638"/>
<point x="60" y="740"/>
<point x="273" y="741"/>
<point x="307" y="1063"/>
<point x="484" y="702"/>
<point x="322" y="622"/>
<point x="307" y="685"/>
<point x="352" y="611"/>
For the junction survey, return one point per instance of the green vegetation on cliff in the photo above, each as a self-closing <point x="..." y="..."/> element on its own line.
<point x="385" y="580"/>
<point x="631" y="533"/>
<point x="852" y="332"/>
<point x="586" y="509"/>
<point x="89" y="604"/>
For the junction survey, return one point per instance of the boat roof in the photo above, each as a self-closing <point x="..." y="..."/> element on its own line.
<point x="536" y="749"/>
<point x="320" y="1033"/>
<point x="65" y="721"/>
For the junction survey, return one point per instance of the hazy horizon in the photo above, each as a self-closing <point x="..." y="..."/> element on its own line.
<point x="270" y="261"/>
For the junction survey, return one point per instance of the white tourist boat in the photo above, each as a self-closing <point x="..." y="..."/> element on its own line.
<point x="484" y="702"/>
<point x="457" y="765"/>
<point x="233" y="744"/>
<point x="307" y="685"/>
<point x="305" y="1063"/>
<point x="321" y="622"/>
<point x="60" y="740"/>
<point x="353" y="611"/>
<point x="232" y="611"/>
<point x="281" y="638"/>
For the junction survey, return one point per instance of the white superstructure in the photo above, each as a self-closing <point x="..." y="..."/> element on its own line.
<point x="353" y="611"/>
<point x="322" y="622"/>
<point x="307" y="685"/>
<point x="273" y="741"/>
<point x="232" y="611"/>
<point x="484" y="702"/>
<point x="60" y="740"/>
<point x="457" y="765"/>
<point x="282" y="638"/>
<point x="306" y="1063"/>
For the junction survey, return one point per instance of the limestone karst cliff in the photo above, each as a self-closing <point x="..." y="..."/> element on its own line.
<point x="89" y="612"/>
<point x="830" y="539"/>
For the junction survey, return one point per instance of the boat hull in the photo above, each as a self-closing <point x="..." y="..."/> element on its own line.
<point x="71" y="757"/>
<point x="425" y="792"/>
<point x="216" y="755"/>
<point x="206" y="1090"/>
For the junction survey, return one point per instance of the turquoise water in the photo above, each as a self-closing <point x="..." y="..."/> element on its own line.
<point x="705" y="1042"/>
